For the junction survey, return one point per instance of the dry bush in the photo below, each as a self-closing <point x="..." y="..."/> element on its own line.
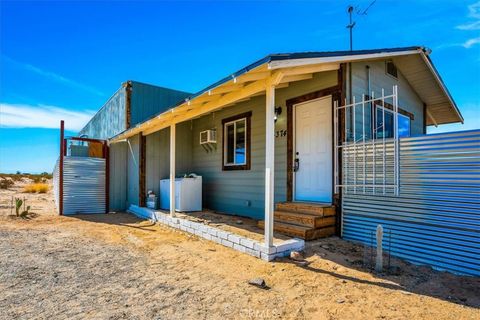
<point x="36" y="188"/>
<point x="6" y="183"/>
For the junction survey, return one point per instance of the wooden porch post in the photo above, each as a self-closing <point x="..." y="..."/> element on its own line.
<point x="269" y="162"/>
<point x="172" y="170"/>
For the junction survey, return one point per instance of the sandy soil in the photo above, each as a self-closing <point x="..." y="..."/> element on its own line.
<point x="116" y="266"/>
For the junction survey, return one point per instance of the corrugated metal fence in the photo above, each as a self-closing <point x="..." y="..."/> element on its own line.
<point x="435" y="220"/>
<point x="83" y="185"/>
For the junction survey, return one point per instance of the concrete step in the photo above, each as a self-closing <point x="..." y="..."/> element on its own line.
<point x="302" y="232"/>
<point x="317" y="209"/>
<point x="303" y="219"/>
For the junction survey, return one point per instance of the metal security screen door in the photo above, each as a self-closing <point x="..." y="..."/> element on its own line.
<point x="313" y="150"/>
<point x="368" y="145"/>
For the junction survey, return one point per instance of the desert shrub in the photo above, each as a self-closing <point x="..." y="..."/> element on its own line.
<point x="36" y="188"/>
<point x="6" y="183"/>
<point x="36" y="179"/>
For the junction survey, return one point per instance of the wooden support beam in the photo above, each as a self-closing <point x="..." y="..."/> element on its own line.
<point x="269" y="162"/>
<point x="298" y="77"/>
<point x="172" y="169"/>
<point x="311" y="69"/>
<point x="430" y="116"/>
<point x="225" y="89"/>
<point x="254" y="76"/>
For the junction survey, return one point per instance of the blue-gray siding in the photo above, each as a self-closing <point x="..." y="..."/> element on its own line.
<point x="158" y="155"/>
<point x="242" y="192"/>
<point x="118" y="176"/>
<point x="408" y="99"/>
<point x="435" y="220"/>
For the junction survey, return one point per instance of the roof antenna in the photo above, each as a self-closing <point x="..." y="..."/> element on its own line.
<point x="352" y="23"/>
<point x="350" y="26"/>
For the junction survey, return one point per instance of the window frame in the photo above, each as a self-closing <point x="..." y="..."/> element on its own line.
<point x="386" y="69"/>
<point x="392" y="113"/>
<point x="227" y="121"/>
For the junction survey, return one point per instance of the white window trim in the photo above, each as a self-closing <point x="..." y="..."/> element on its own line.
<point x="225" y="145"/>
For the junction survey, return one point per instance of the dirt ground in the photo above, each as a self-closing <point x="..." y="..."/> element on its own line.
<point x="116" y="266"/>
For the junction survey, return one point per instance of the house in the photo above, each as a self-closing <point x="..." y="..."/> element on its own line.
<point x="289" y="138"/>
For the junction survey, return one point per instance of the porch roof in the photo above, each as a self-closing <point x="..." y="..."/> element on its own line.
<point x="281" y="69"/>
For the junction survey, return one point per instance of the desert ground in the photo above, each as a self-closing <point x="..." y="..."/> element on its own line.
<point x="116" y="266"/>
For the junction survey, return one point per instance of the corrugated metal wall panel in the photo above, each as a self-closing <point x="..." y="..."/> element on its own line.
<point x="118" y="176"/>
<point x="84" y="185"/>
<point x="148" y="100"/>
<point x="109" y="120"/>
<point x="435" y="220"/>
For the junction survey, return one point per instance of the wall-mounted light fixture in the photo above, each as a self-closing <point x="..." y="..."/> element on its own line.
<point x="278" y="111"/>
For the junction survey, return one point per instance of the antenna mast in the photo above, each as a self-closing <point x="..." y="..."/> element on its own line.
<point x="352" y="23"/>
<point x="350" y="26"/>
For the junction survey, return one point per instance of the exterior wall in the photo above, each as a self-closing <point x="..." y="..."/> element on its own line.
<point x="148" y="100"/>
<point x="118" y="176"/>
<point x="407" y="97"/>
<point x="242" y="192"/>
<point x="109" y="120"/>
<point x="133" y="162"/>
<point x="158" y="155"/>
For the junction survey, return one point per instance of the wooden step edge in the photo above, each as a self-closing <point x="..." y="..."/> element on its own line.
<point x="296" y="218"/>
<point x="306" y="209"/>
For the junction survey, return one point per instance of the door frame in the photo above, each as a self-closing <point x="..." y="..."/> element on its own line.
<point x="335" y="92"/>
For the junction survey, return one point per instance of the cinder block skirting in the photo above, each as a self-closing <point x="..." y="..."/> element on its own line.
<point x="225" y="238"/>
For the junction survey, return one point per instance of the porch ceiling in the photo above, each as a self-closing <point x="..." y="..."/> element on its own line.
<point x="424" y="79"/>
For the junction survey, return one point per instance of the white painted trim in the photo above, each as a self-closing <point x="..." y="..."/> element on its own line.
<point x="225" y="145"/>
<point x="269" y="162"/>
<point x="309" y="61"/>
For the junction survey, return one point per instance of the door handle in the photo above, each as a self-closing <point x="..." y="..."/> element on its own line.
<point x="296" y="165"/>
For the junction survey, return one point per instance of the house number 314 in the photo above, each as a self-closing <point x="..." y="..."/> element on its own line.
<point x="280" y="133"/>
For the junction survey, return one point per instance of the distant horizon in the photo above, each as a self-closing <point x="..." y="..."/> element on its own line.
<point x="70" y="59"/>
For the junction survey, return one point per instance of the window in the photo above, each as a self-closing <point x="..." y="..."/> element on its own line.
<point x="236" y="142"/>
<point x="391" y="69"/>
<point x="387" y="119"/>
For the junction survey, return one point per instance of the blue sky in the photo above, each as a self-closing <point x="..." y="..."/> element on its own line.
<point x="64" y="59"/>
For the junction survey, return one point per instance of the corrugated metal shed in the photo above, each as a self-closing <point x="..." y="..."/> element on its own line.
<point x="435" y="220"/>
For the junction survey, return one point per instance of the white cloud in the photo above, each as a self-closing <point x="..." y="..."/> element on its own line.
<point x="52" y="76"/>
<point x="474" y="13"/>
<point x="29" y="116"/>
<point x="471" y="42"/>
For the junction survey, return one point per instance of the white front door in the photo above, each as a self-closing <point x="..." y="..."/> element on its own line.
<point x="313" y="150"/>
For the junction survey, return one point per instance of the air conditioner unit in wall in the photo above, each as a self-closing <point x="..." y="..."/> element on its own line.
<point x="208" y="136"/>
